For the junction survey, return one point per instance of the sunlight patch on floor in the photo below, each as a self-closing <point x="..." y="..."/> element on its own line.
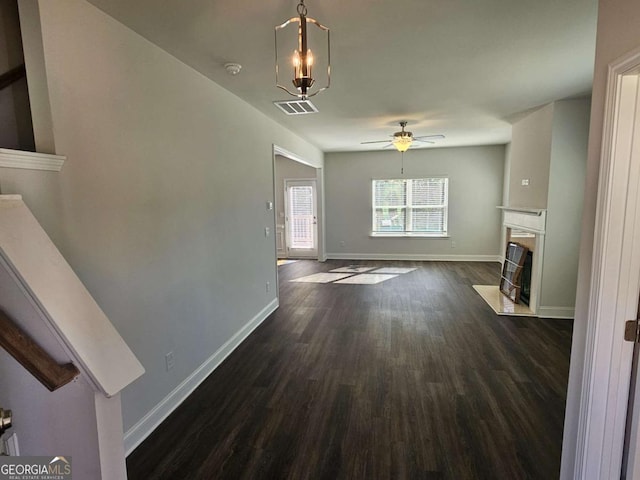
<point x="366" y="279"/>
<point x="284" y="261"/>
<point x="352" y="269"/>
<point x="394" y="270"/>
<point x="355" y="275"/>
<point x="321" y="278"/>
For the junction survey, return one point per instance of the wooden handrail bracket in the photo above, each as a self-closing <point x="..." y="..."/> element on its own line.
<point x="32" y="357"/>
<point x="12" y="76"/>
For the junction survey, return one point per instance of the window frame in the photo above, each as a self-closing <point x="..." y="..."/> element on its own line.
<point x="409" y="209"/>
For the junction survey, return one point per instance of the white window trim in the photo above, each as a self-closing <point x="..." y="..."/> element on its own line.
<point x="408" y="235"/>
<point x="445" y="206"/>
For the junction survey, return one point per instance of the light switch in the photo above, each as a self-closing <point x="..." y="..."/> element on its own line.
<point x="525" y="182"/>
<point x="269" y="205"/>
<point x="266" y="231"/>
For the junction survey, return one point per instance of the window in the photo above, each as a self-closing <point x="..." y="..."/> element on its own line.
<point x="410" y="207"/>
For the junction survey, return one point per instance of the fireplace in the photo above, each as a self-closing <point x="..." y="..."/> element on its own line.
<point x="525" y="279"/>
<point x="527" y="226"/>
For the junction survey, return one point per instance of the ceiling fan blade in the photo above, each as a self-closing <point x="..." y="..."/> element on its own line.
<point x="423" y="141"/>
<point x="375" y="141"/>
<point x="429" y="136"/>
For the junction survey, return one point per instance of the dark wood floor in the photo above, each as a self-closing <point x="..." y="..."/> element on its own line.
<point x="413" y="378"/>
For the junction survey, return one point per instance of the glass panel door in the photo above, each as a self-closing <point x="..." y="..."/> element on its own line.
<point x="301" y="219"/>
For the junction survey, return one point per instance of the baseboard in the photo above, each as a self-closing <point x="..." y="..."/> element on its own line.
<point x="414" y="257"/>
<point x="556" y="312"/>
<point x="147" y="424"/>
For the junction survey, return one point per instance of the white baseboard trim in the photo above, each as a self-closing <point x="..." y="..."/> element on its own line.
<point x="556" y="312"/>
<point x="147" y="424"/>
<point x="414" y="257"/>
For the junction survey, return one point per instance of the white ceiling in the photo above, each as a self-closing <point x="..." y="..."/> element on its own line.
<point x="462" y="68"/>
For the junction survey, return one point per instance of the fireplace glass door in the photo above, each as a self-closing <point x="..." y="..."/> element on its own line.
<point x="515" y="257"/>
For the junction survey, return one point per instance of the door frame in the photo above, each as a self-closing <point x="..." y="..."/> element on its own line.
<point x="287" y="224"/>
<point x="615" y="282"/>
<point x="277" y="150"/>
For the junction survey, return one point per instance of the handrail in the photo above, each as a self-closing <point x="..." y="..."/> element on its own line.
<point x="12" y="76"/>
<point x="32" y="357"/>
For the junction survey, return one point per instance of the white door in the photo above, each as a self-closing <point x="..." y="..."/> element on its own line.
<point x="301" y="221"/>
<point x="630" y="95"/>
<point x="615" y="285"/>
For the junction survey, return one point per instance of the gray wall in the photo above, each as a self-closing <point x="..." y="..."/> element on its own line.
<point x="549" y="147"/>
<point x="618" y="34"/>
<point x="530" y="156"/>
<point x="566" y="190"/>
<point x="475" y="189"/>
<point x="15" y="117"/>
<point x="152" y="208"/>
<point x="46" y="423"/>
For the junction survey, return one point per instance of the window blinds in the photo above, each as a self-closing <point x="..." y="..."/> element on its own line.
<point x="417" y="205"/>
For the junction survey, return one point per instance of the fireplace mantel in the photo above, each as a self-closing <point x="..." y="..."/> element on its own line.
<point x="532" y="220"/>
<point x="530" y="211"/>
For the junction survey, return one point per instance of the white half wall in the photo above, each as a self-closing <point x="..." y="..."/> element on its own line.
<point x="475" y="190"/>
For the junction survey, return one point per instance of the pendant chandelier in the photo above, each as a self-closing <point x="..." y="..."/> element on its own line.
<point x="303" y="59"/>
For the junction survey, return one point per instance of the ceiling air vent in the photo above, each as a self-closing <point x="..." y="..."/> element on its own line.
<point x="296" y="107"/>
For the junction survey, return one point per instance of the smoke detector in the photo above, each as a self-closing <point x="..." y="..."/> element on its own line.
<point x="233" y="68"/>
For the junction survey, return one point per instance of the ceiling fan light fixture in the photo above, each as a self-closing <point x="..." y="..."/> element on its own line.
<point x="303" y="59"/>
<point x="402" y="140"/>
<point x="402" y="143"/>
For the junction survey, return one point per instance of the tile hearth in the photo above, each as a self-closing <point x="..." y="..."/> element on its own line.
<point x="500" y="303"/>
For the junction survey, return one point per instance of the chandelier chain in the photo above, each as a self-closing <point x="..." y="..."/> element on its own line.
<point x="302" y="9"/>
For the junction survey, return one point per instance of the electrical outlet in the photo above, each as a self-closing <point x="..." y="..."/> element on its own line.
<point x="170" y="360"/>
<point x="342" y="243"/>
<point x="268" y="285"/>
<point x="453" y="244"/>
<point x="525" y="182"/>
<point x="267" y="231"/>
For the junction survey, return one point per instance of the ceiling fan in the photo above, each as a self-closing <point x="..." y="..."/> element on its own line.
<point x="403" y="139"/>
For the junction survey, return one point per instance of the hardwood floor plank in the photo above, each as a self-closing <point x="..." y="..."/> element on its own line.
<point x="412" y="378"/>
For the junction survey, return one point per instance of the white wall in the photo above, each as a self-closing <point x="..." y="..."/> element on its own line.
<point x="475" y="190"/>
<point x="618" y="33"/>
<point x="159" y="208"/>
